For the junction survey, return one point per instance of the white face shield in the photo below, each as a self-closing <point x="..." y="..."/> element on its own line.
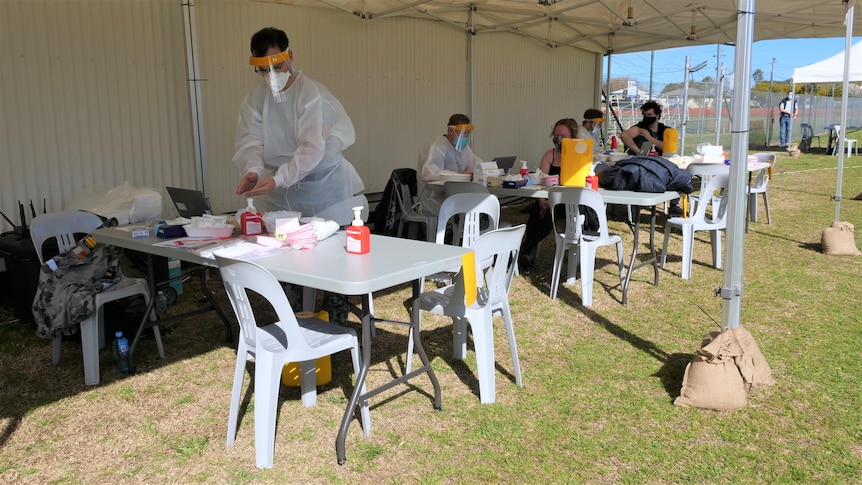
<point x="276" y="71"/>
<point x="461" y="135"/>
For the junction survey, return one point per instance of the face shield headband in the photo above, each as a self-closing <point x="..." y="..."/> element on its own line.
<point x="462" y="134"/>
<point x="272" y="70"/>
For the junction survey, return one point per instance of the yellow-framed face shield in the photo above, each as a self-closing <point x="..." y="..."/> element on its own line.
<point x="272" y="69"/>
<point x="461" y="135"/>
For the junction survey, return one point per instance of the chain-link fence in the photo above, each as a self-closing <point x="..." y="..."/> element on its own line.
<point x="706" y="124"/>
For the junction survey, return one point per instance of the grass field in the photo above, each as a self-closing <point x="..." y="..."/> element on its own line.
<point x="599" y="382"/>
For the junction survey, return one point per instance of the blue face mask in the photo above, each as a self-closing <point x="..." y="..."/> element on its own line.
<point x="460" y="142"/>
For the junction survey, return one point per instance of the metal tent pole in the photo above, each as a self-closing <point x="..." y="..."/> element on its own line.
<point x="848" y="18"/>
<point x="195" y="93"/>
<point x="732" y="287"/>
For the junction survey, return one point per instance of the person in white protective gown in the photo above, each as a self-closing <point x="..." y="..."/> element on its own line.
<point x="290" y="135"/>
<point x="450" y="152"/>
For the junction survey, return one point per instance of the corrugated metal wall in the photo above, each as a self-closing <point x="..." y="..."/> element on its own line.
<point x="523" y="88"/>
<point x="93" y="94"/>
<point x="111" y="103"/>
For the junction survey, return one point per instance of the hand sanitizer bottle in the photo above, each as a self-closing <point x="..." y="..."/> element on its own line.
<point x="524" y="170"/>
<point x="251" y="222"/>
<point x="358" y="235"/>
<point x="592" y="181"/>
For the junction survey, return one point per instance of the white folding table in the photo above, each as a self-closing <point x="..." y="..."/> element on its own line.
<point x="329" y="267"/>
<point x="636" y="200"/>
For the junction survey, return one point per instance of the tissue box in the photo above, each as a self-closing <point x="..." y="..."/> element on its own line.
<point x="514" y="184"/>
<point x="139" y="232"/>
<point x="169" y="232"/>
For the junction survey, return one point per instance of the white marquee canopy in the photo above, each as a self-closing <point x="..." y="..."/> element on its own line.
<point x="831" y="70"/>
<point x="611" y="26"/>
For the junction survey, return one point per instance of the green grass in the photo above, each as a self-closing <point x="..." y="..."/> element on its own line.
<point x="597" y="405"/>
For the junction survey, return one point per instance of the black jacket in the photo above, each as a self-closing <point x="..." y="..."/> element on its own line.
<point x="646" y="174"/>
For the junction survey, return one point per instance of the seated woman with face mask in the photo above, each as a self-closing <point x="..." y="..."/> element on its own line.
<point x="538" y="225"/>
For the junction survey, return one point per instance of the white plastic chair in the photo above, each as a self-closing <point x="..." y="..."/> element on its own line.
<point x="272" y="346"/>
<point x="705" y="171"/>
<point x="699" y="221"/>
<point x="342" y="212"/>
<point x="761" y="182"/>
<point x="63" y="226"/>
<point x="582" y="244"/>
<point x="495" y="253"/>
<point x="469" y="209"/>
<point x="841" y="142"/>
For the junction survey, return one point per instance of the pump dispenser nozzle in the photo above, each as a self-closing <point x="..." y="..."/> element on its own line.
<point x="357" y="216"/>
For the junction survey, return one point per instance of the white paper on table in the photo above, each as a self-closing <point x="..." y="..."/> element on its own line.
<point x="230" y="250"/>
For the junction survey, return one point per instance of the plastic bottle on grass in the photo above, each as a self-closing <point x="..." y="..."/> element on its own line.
<point x="121" y="353"/>
<point x="161" y="304"/>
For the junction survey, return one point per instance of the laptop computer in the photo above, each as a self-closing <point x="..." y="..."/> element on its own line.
<point x="189" y="203"/>
<point x="505" y="162"/>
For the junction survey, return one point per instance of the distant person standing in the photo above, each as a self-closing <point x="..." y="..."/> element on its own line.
<point x="788" y="109"/>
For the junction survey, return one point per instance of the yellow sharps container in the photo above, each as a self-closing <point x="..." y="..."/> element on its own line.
<point x="670" y="142"/>
<point x="576" y="161"/>
<point x="290" y="372"/>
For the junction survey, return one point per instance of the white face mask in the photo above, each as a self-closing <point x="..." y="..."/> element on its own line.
<point x="276" y="82"/>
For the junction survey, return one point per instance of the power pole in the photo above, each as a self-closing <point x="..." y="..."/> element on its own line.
<point x="651" y="65"/>
<point x="718" y="95"/>
<point x="769" y="118"/>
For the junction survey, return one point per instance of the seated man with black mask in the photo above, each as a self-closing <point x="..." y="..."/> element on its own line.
<point x="649" y="131"/>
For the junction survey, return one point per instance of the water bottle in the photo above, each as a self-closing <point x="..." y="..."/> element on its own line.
<point x="161" y="304"/>
<point x="121" y="353"/>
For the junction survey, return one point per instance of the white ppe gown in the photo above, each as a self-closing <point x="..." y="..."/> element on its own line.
<point x="439" y="155"/>
<point x="298" y="142"/>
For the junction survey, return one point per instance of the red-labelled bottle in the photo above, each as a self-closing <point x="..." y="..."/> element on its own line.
<point x="592" y="181"/>
<point x="358" y="235"/>
<point x="524" y="170"/>
<point x="251" y="221"/>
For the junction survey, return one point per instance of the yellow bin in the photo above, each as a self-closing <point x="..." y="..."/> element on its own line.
<point x="576" y="161"/>
<point x="290" y="372"/>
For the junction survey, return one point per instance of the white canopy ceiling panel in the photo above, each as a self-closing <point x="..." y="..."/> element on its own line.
<point x="605" y="26"/>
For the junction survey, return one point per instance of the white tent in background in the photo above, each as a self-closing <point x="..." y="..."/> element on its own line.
<point x="830" y="70"/>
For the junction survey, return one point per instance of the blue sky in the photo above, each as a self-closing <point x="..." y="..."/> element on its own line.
<point x="669" y="64"/>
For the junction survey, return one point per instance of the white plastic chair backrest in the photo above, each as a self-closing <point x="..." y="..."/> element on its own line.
<point x="472" y="206"/>
<point x="239" y="276"/>
<point x="495" y="254"/>
<point x="718" y="183"/>
<point x="807" y="131"/>
<point x="761" y="181"/>
<point x="707" y="169"/>
<point x="342" y="212"/>
<point x="573" y="198"/>
<point x="452" y="188"/>
<point x="63" y="226"/>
